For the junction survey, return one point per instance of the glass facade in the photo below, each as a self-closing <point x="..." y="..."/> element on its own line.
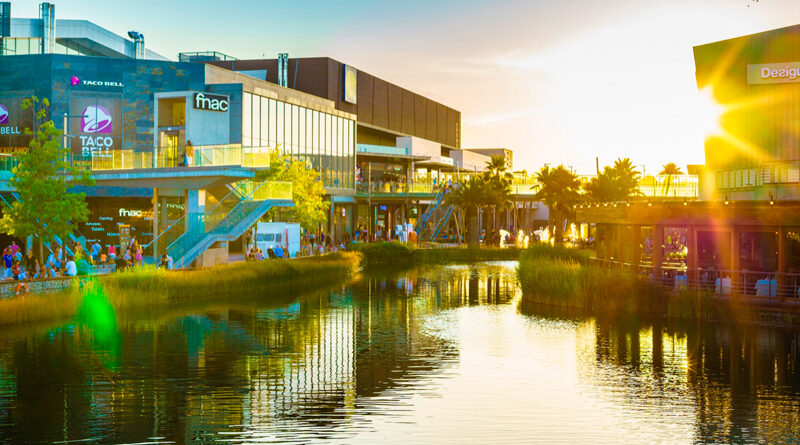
<point x="323" y="141"/>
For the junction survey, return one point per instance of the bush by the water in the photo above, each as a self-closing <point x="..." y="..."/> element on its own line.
<point x="385" y="252"/>
<point x="556" y="252"/>
<point x="571" y="284"/>
<point x="153" y="287"/>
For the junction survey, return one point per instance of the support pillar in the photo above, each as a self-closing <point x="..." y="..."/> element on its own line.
<point x="622" y="238"/>
<point x="195" y="207"/>
<point x="782" y="261"/>
<point x="691" y="256"/>
<point x="636" y="248"/>
<point x="734" y="262"/>
<point x="331" y="223"/>
<point x="155" y="223"/>
<point x="658" y="250"/>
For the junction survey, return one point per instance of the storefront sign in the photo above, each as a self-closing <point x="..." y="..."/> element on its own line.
<point x="13" y="121"/>
<point x="773" y="73"/>
<point x="99" y="131"/>
<point x="210" y="102"/>
<point x="350" y="84"/>
<point x="134" y="213"/>
<point x="75" y="81"/>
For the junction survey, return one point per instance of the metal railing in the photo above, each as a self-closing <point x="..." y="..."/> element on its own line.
<point x="758" y="286"/>
<point x="170" y="157"/>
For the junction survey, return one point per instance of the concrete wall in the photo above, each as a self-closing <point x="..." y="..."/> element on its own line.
<point x="470" y="160"/>
<point x="204" y="127"/>
<point x="420" y="147"/>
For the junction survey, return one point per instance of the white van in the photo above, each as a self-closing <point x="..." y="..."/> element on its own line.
<point x="286" y="235"/>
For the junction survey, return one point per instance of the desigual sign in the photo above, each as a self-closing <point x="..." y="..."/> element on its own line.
<point x="210" y="102"/>
<point x="787" y="72"/>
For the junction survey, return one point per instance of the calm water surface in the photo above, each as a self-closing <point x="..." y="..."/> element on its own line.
<point x="436" y="355"/>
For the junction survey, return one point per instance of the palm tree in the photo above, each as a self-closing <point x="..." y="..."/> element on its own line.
<point x="498" y="175"/>
<point x="670" y="170"/>
<point x="471" y="196"/>
<point x="617" y="183"/>
<point x="558" y="188"/>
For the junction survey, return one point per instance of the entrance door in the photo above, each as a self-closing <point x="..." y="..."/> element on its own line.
<point x="169" y="149"/>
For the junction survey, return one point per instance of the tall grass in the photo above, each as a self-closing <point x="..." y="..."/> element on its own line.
<point x="397" y="253"/>
<point x="152" y="287"/>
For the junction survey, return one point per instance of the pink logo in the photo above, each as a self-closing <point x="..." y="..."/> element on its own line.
<point x="97" y="119"/>
<point x="75" y="81"/>
<point x="3" y="114"/>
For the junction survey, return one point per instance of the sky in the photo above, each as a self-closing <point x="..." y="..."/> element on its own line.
<point x="558" y="82"/>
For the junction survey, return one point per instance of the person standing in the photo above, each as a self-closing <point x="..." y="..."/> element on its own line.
<point x="96" y="248"/>
<point x="189" y="161"/>
<point x="8" y="262"/>
<point x="112" y="253"/>
<point x="14" y="248"/>
<point x="32" y="265"/>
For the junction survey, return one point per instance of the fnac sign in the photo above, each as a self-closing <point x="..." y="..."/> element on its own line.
<point x="210" y="102"/>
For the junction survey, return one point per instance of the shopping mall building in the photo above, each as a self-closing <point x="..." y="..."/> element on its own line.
<point x="383" y="152"/>
<point x="746" y="225"/>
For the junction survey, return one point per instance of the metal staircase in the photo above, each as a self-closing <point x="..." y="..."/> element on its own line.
<point x="227" y="220"/>
<point x="435" y="218"/>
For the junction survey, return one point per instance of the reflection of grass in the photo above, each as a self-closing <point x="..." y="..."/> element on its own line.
<point x="151" y="287"/>
<point x="397" y="253"/>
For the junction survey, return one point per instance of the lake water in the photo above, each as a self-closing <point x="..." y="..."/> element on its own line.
<point x="441" y="354"/>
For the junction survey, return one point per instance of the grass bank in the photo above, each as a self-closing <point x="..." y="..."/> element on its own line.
<point x="564" y="278"/>
<point x="402" y="254"/>
<point x="149" y="287"/>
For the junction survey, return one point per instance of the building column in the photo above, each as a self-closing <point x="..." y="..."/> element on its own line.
<point x="691" y="256"/>
<point x="781" y="260"/>
<point x="155" y="223"/>
<point x="622" y="243"/>
<point x="195" y="207"/>
<point x="734" y="262"/>
<point x="658" y="249"/>
<point x="636" y="250"/>
<point x="331" y="222"/>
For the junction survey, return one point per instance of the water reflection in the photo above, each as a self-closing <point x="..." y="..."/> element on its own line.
<point x="434" y="355"/>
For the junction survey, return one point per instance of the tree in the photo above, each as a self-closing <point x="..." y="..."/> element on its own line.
<point x="617" y="183"/>
<point x="307" y="190"/>
<point x="471" y="196"/>
<point x="42" y="178"/>
<point x="670" y="170"/>
<point x="559" y="189"/>
<point x="498" y="179"/>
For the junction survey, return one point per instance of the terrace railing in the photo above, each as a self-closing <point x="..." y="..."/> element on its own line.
<point x="757" y="286"/>
<point x="170" y="157"/>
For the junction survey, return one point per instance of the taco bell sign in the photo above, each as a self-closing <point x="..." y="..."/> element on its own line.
<point x="97" y="126"/>
<point x="4" y="118"/>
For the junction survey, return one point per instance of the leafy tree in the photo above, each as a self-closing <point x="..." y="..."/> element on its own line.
<point x="559" y="189"/>
<point x="670" y="170"/>
<point x="42" y="178"/>
<point x="619" y="182"/>
<point x="307" y="190"/>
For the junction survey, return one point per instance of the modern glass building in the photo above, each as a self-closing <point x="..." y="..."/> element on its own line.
<point x="325" y="141"/>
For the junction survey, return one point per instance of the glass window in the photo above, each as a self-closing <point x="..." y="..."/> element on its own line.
<point x="287" y="128"/>
<point x="296" y="131"/>
<point x="247" y="114"/>
<point x="301" y="137"/>
<point x="255" y="119"/>
<point x="314" y="138"/>
<point x="279" y="126"/>
<point x="264" y="122"/>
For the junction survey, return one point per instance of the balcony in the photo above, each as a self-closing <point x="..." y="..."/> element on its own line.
<point x="171" y="157"/>
<point x="381" y="150"/>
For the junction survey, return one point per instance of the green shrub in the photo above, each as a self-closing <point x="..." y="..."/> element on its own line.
<point x="555" y="252"/>
<point x="384" y="252"/>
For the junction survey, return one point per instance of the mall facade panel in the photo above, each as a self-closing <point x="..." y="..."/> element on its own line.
<point x="130" y="121"/>
<point x="755" y="154"/>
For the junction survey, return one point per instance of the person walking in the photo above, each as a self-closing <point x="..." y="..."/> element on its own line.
<point x="138" y="254"/>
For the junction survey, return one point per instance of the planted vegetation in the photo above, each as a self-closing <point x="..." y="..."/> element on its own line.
<point x="397" y="253"/>
<point x="152" y="287"/>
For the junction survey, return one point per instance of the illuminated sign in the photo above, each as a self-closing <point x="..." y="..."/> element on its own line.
<point x="99" y="130"/>
<point x="135" y="213"/>
<point x="210" y="102"/>
<point x="773" y="73"/>
<point x="350" y="76"/>
<point x="75" y="81"/>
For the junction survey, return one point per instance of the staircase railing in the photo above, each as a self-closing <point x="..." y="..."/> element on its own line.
<point x="226" y="215"/>
<point x="425" y="218"/>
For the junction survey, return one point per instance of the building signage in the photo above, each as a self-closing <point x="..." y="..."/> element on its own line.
<point x="349" y="84"/>
<point x="210" y="102"/>
<point x="13" y="121"/>
<point x="76" y="81"/>
<point x="99" y="130"/>
<point x="787" y="72"/>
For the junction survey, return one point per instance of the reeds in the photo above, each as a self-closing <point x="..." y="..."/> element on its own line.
<point x="397" y="253"/>
<point x="152" y="287"/>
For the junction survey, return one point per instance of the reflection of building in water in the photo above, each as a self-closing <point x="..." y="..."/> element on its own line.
<point x="744" y="382"/>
